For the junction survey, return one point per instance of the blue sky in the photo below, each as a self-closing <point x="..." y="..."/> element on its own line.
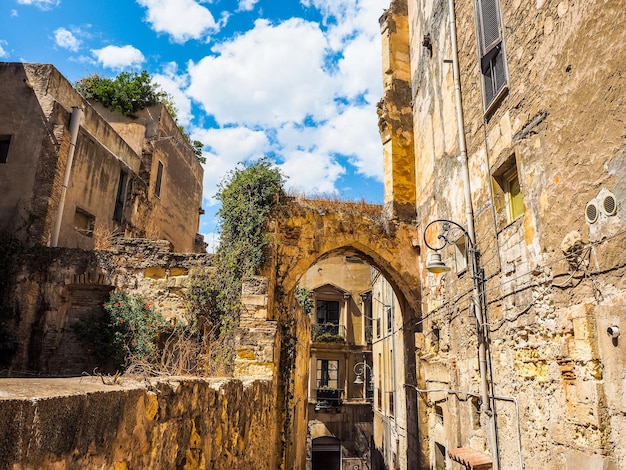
<point x="294" y="79"/>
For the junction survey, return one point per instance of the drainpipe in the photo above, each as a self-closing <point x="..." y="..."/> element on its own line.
<point x="469" y="213"/>
<point x="75" y="120"/>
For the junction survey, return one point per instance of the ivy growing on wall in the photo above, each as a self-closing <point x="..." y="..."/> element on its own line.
<point x="249" y="194"/>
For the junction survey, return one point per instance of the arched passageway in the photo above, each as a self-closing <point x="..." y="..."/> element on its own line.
<point x="307" y="232"/>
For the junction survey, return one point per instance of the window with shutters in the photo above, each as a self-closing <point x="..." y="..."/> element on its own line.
<point x="492" y="58"/>
<point x="507" y="191"/>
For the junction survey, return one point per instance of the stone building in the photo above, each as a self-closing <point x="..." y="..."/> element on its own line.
<point x="390" y="414"/>
<point x="341" y="383"/>
<point x="72" y="174"/>
<point x="507" y="118"/>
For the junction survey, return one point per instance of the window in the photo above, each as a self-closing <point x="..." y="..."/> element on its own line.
<point x="438" y="414"/>
<point x="492" y="60"/>
<point x="5" y="141"/>
<point x="121" y="197"/>
<point x="460" y="255"/>
<point x="378" y="328"/>
<point x="327" y="311"/>
<point x="159" y="180"/>
<point x="389" y="319"/>
<point x="327" y="373"/>
<point x="513" y="194"/>
<point x="507" y="191"/>
<point x="84" y="222"/>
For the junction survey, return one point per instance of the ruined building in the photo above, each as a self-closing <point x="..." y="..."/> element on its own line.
<point x="507" y="118"/>
<point x="73" y="174"/>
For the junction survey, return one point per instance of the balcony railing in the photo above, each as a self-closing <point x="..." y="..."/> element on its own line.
<point x="327" y="397"/>
<point x="328" y="333"/>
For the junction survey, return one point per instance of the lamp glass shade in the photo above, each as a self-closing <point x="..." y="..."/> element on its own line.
<point x="435" y="264"/>
<point x="358" y="380"/>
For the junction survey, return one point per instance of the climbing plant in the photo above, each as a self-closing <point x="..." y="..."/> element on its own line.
<point x="249" y="194"/>
<point x="305" y="299"/>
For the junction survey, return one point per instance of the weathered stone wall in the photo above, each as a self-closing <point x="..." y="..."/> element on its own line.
<point x="306" y="232"/>
<point x="157" y="424"/>
<point x="54" y="288"/>
<point x="36" y="111"/>
<point x="554" y="281"/>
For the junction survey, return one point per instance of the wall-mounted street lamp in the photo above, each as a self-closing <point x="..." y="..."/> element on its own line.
<point x="435" y="264"/>
<point x="360" y="370"/>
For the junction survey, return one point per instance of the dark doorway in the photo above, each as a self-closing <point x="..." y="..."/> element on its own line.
<point x="326" y="454"/>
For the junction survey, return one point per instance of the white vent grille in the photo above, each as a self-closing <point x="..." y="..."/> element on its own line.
<point x="609" y="205"/>
<point x="591" y="212"/>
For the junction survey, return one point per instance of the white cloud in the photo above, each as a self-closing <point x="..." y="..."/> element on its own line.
<point x="42" y="4"/>
<point x="311" y="172"/>
<point x="13" y="13"/>
<point x="268" y="76"/>
<point x="181" y="19"/>
<point x="247" y="5"/>
<point x="3" y="51"/>
<point x="280" y="89"/>
<point x="66" y="39"/>
<point x="118" y="57"/>
<point x="224" y="149"/>
<point x="174" y="84"/>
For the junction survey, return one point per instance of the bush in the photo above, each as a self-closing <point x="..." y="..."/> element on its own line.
<point x="129" y="330"/>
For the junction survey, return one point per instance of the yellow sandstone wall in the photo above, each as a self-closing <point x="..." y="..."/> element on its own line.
<point x="157" y="424"/>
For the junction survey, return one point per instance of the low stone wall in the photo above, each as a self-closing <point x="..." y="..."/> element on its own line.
<point x="174" y="423"/>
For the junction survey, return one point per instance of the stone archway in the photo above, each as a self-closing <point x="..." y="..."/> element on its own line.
<point x="309" y="231"/>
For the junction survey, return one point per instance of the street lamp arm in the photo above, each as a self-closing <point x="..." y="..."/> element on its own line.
<point x="445" y="236"/>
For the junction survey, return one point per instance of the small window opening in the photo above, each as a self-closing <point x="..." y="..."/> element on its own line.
<point x="508" y="195"/>
<point x="475" y="410"/>
<point x="439" y="414"/>
<point x="5" y="141"/>
<point x="435" y="338"/>
<point x="440" y="456"/>
<point x="159" y="180"/>
<point x="84" y="222"/>
<point x="460" y="255"/>
<point x="120" y="198"/>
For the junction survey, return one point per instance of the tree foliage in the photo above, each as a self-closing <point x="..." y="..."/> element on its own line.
<point x="129" y="93"/>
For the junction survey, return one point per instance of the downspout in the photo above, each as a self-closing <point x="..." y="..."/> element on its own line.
<point x="469" y="214"/>
<point x="75" y="120"/>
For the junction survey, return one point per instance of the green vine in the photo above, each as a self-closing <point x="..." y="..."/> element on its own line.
<point x="249" y="194"/>
<point x="305" y="299"/>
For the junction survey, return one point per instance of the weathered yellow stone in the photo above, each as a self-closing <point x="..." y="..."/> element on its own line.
<point x="155" y="272"/>
<point x="152" y="405"/>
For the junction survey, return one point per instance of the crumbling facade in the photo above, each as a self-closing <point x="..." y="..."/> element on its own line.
<point x="517" y="114"/>
<point x="73" y="175"/>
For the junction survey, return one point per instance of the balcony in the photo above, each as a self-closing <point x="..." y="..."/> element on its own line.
<point x="369" y="334"/>
<point x="327" y="397"/>
<point x="328" y="333"/>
